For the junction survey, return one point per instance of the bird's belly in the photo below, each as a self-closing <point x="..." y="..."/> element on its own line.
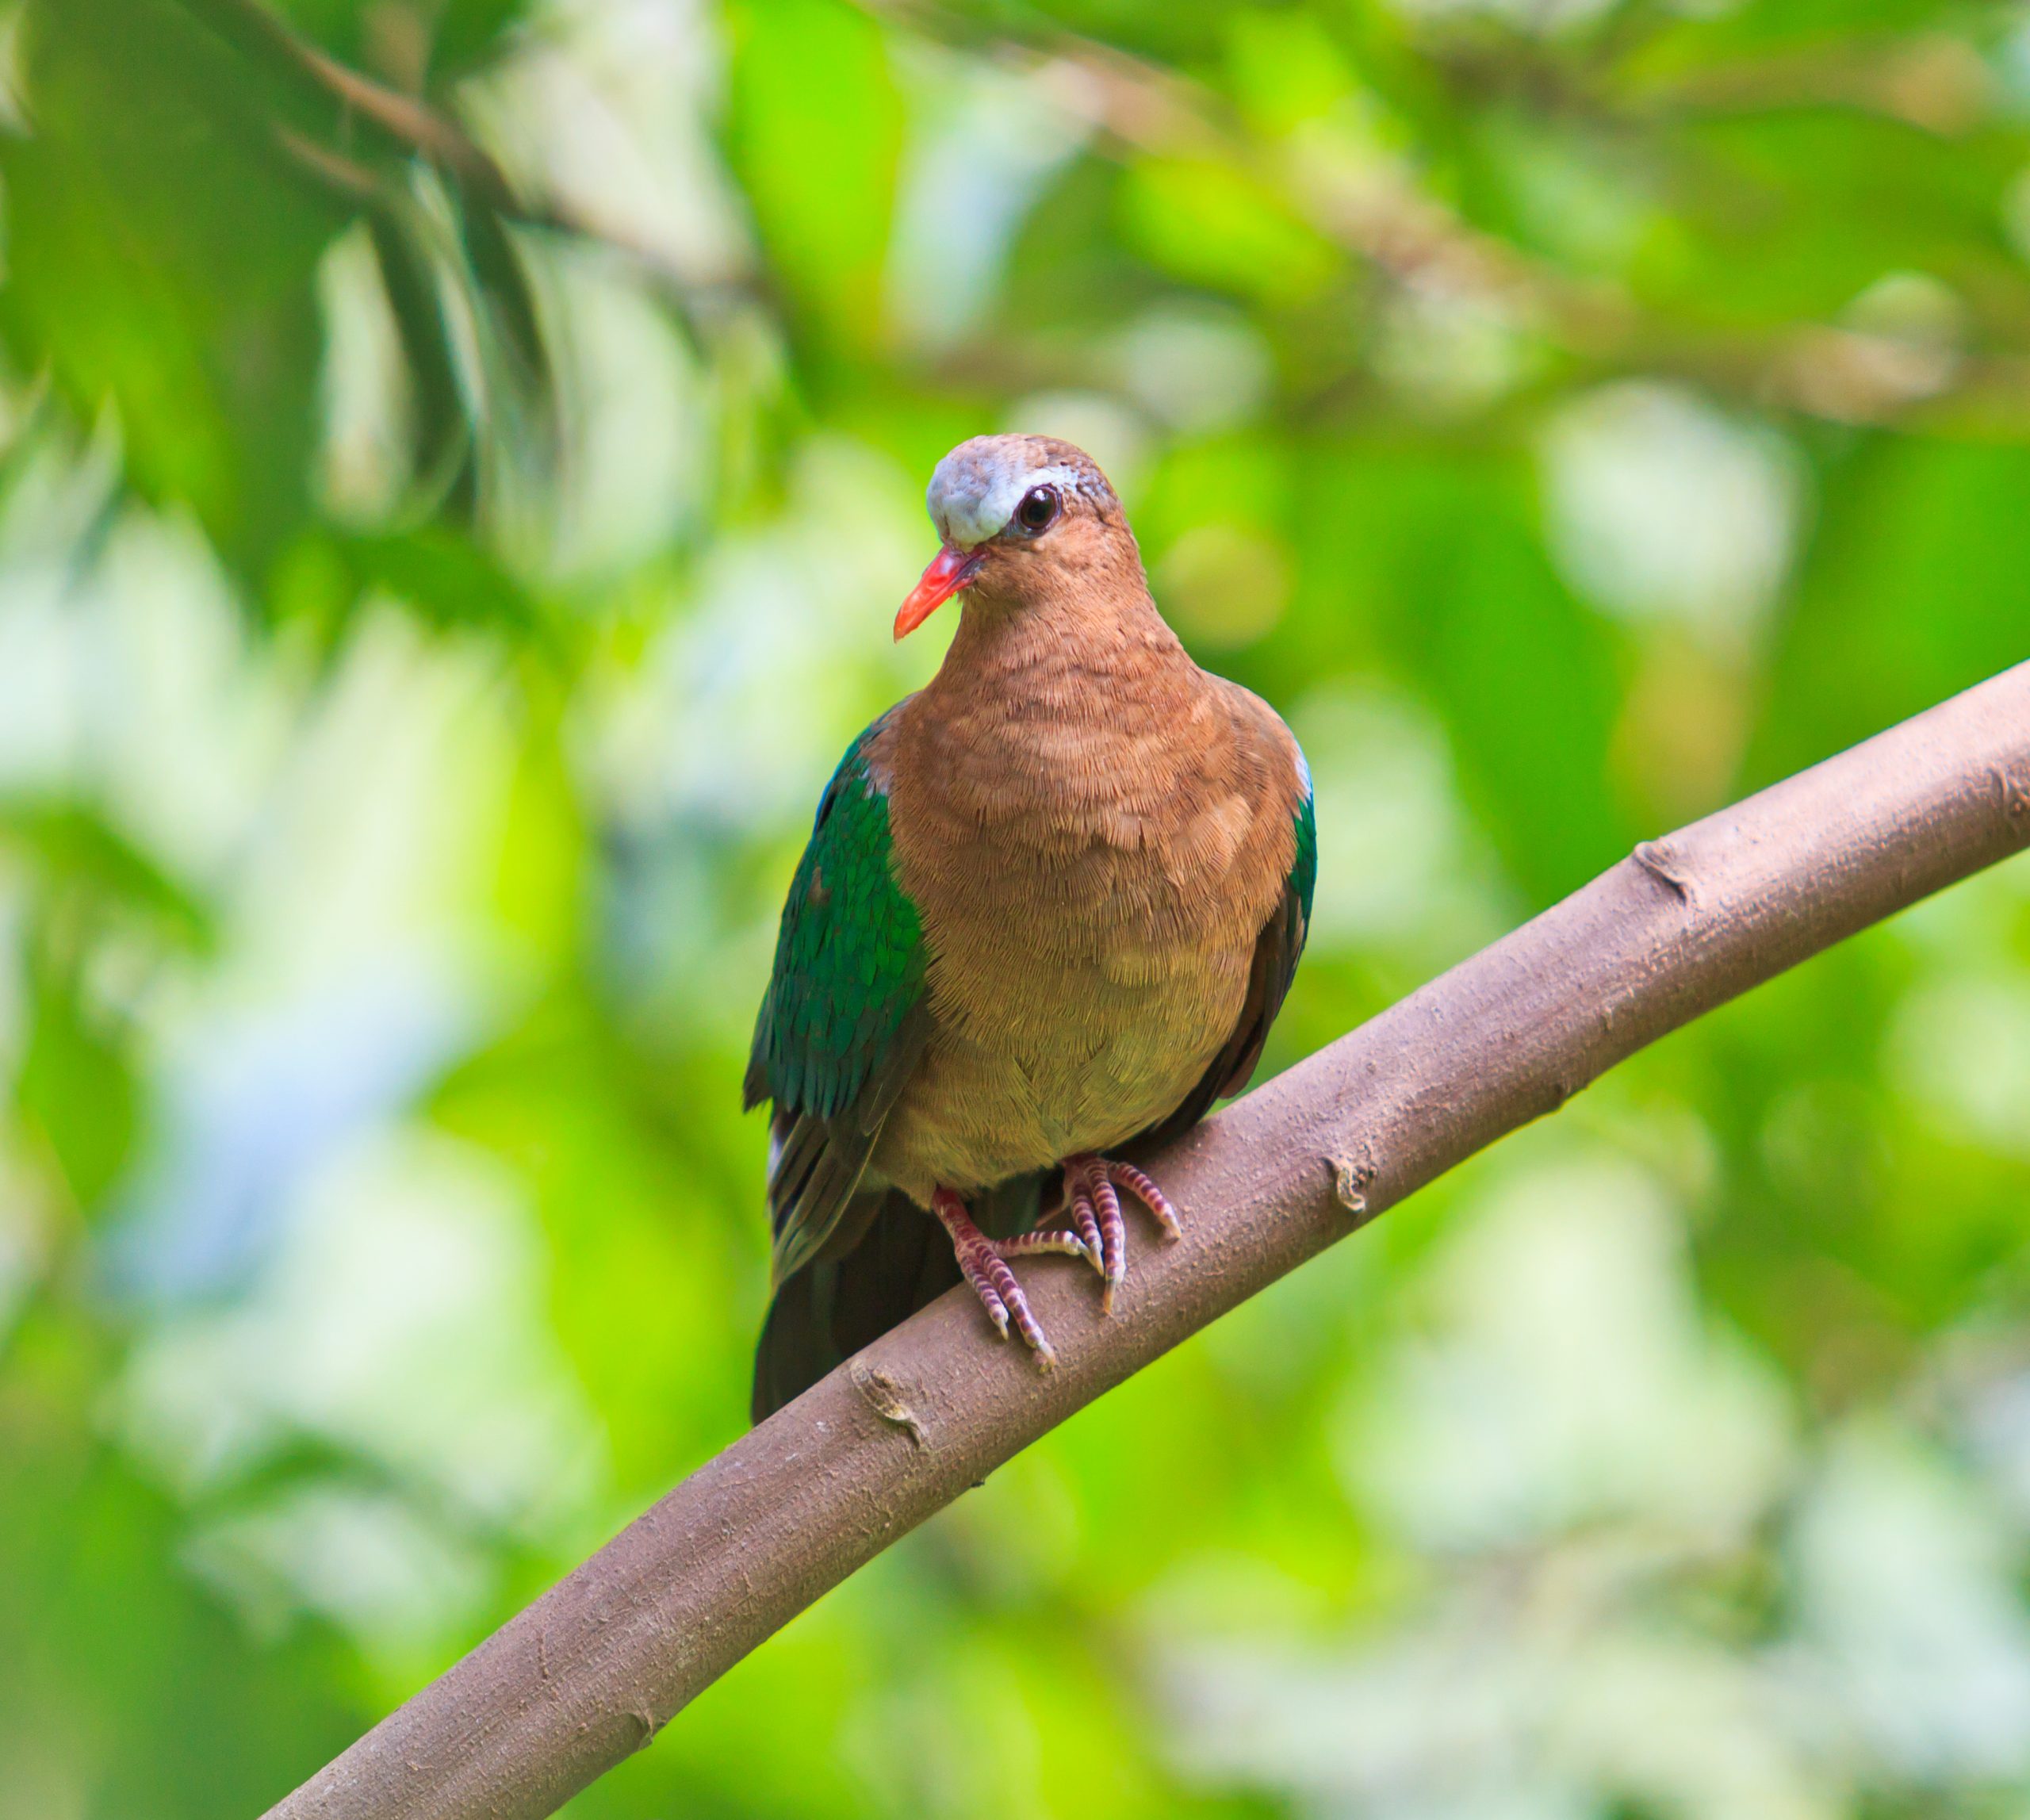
<point x="1073" y="1057"/>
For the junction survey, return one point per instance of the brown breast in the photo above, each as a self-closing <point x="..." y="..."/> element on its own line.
<point x="1094" y="832"/>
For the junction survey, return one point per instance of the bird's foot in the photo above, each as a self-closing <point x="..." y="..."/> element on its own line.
<point x="1098" y="1233"/>
<point x="1093" y="1207"/>
<point x="984" y="1261"/>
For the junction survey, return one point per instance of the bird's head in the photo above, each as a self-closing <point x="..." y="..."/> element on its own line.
<point x="1014" y="512"/>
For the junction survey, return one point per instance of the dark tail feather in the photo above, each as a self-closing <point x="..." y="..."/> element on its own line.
<point x="826" y="1312"/>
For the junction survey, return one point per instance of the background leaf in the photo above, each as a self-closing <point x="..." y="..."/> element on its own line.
<point x="458" y="462"/>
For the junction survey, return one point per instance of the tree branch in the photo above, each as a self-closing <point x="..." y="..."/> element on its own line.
<point x="590" y="1670"/>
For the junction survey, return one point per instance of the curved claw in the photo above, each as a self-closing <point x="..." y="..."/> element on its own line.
<point x="1079" y="1210"/>
<point x="981" y="1261"/>
<point x="1126" y="1175"/>
<point x="1090" y="1181"/>
<point x="1056" y="1240"/>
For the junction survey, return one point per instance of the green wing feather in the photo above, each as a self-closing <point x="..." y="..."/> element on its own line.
<point x="842" y="1024"/>
<point x="1304" y="874"/>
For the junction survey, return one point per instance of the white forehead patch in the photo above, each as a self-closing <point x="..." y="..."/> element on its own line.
<point x="972" y="497"/>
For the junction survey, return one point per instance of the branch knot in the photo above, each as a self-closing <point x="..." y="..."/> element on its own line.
<point x="1351" y="1182"/>
<point x="1656" y="858"/>
<point x="882" y="1394"/>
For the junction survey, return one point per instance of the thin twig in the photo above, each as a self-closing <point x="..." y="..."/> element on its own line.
<point x="590" y="1672"/>
<point x="415" y="130"/>
<point x="411" y="123"/>
<point x="1378" y="206"/>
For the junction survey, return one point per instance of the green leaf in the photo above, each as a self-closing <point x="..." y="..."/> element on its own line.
<point x="815" y="136"/>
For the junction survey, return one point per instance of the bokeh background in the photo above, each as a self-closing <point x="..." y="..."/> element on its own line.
<point x="458" y="461"/>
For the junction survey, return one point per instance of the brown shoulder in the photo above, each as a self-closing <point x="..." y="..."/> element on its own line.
<point x="1269" y="749"/>
<point x="878" y="743"/>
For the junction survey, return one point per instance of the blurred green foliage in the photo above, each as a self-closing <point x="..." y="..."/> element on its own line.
<point x="457" y="460"/>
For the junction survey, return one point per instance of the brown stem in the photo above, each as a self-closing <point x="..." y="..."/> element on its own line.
<point x="414" y="124"/>
<point x="590" y="1672"/>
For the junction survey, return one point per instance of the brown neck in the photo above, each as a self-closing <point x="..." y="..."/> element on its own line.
<point x="1053" y="718"/>
<point x="1060" y="632"/>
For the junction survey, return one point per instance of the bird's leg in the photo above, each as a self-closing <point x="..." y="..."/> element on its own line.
<point x="1093" y="1208"/>
<point x="984" y="1262"/>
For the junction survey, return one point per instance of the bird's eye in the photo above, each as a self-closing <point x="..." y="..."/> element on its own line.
<point x="1038" y="509"/>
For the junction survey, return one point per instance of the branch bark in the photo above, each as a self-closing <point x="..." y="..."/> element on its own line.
<point x="596" y="1666"/>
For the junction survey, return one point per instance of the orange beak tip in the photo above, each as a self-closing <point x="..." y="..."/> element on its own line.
<point x="949" y="571"/>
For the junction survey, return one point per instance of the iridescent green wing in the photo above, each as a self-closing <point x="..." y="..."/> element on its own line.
<point x="843" y="1022"/>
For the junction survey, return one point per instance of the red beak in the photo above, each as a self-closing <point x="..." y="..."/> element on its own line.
<point x="949" y="571"/>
